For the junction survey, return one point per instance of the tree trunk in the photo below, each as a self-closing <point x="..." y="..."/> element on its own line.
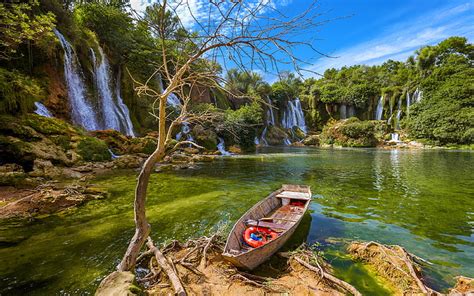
<point x="142" y="228"/>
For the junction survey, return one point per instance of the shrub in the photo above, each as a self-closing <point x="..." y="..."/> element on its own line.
<point x="351" y="132"/>
<point x="18" y="92"/>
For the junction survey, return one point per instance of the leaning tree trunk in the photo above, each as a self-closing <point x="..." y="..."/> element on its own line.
<point x="142" y="228"/>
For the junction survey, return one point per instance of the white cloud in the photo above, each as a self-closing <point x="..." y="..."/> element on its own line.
<point x="401" y="39"/>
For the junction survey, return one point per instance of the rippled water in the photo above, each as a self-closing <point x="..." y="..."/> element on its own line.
<point x="422" y="200"/>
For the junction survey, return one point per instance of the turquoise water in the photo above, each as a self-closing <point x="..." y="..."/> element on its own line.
<point x="422" y="200"/>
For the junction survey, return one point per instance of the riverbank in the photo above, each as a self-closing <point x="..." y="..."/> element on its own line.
<point x="197" y="268"/>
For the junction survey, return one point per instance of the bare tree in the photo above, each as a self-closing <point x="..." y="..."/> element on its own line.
<point x="240" y="34"/>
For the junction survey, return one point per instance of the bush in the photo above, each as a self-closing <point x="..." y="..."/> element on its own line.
<point x="242" y="125"/>
<point x="18" y="92"/>
<point x="351" y="132"/>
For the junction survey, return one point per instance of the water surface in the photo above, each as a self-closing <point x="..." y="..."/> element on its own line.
<point x="422" y="200"/>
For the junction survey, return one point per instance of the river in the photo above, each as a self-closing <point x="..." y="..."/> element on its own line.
<point x="420" y="199"/>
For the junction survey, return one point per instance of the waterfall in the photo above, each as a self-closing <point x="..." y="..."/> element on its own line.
<point x="185" y="131"/>
<point x="270" y="115"/>
<point x="42" y="110"/>
<point x="115" y="114"/>
<point x="343" y="111"/>
<point x="379" y="110"/>
<point x="395" y="137"/>
<point x="123" y="109"/>
<point x="82" y="112"/>
<point x="173" y="101"/>
<point x="221" y="147"/>
<point x="256" y="141"/>
<point x="351" y="111"/>
<point x="399" y="114"/>
<point x="294" y="116"/>
<point x="270" y="120"/>
<point x="408" y="103"/>
<point x="417" y="95"/>
<point x="286" y="142"/>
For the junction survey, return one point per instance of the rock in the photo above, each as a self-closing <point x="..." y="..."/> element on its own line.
<point x="297" y="144"/>
<point x="464" y="286"/>
<point x="204" y="158"/>
<point x="163" y="167"/>
<point x="128" y="162"/>
<point x="312" y="140"/>
<point x="45" y="169"/>
<point x="206" y="138"/>
<point x="191" y="150"/>
<point x="180" y="158"/>
<point x="11" y="174"/>
<point x="276" y="135"/>
<point x="118" y="283"/>
<point x="234" y="149"/>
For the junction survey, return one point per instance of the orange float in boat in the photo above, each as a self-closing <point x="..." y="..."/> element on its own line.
<point x="258" y="236"/>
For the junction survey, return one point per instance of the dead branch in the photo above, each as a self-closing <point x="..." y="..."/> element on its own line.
<point x="169" y="270"/>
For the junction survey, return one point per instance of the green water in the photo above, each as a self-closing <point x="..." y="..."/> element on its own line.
<point x="422" y="200"/>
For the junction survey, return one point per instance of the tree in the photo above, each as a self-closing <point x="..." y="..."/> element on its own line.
<point x="242" y="34"/>
<point x="19" y="25"/>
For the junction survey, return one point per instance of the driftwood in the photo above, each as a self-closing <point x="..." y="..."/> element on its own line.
<point x="167" y="268"/>
<point x="319" y="270"/>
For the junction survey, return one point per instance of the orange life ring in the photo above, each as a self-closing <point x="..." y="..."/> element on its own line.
<point x="263" y="238"/>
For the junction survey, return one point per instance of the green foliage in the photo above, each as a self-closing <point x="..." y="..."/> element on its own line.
<point x="18" y="92"/>
<point x="20" y="24"/>
<point x="93" y="149"/>
<point x="352" y="132"/>
<point x="286" y="88"/>
<point x="242" y="124"/>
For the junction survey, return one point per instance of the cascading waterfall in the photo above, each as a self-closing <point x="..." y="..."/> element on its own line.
<point x="185" y="132"/>
<point x="343" y="111"/>
<point x="173" y="101"/>
<point x="82" y="112"/>
<point x="42" y="110"/>
<point x="294" y="116"/>
<point x="114" y="114"/>
<point x="351" y="111"/>
<point x="408" y="103"/>
<point x="379" y="110"/>
<point x="415" y="98"/>
<point x="124" y="113"/>
<point x="221" y="147"/>
<point x="399" y="114"/>
<point x="270" y="121"/>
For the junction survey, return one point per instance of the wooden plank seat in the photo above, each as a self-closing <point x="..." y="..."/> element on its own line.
<point x="293" y="195"/>
<point x="274" y="226"/>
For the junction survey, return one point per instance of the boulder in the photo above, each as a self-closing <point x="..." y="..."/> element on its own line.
<point x="180" y="158"/>
<point x="118" y="283"/>
<point x="206" y="138"/>
<point x="45" y="169"/>
<point x="128" y="162"/>
<point x="234" y="149"/>
<point x="275" y="135"/>
<point x="312" y="140"/>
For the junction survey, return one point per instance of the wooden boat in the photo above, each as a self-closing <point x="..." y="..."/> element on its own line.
<point x="281" y="211"/>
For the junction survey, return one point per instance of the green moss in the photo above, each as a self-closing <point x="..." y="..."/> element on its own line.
<point x="49" y="126"/>
<point x="92" y="149"/>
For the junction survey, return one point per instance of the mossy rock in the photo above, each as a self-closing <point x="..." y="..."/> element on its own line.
<point x="206" y="138"/>
<point x="49" y="126"/>
<point x="93" y="149"/>
<point x="276" y="135"/>
<point x="312" y="140"/>
<point x="12" y="126"/>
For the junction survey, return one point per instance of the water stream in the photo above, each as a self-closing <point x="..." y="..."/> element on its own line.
<point x="42" y="110"/>
<point x="379" y="109"/>
<point x="294" y="116"/>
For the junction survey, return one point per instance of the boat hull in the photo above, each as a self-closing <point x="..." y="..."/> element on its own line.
<point x="252" y="258"/>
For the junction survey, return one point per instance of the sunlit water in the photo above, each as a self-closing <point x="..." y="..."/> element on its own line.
<point x="422" y="200"/>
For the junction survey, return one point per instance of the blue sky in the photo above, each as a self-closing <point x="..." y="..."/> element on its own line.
<point x="372" y="31"/>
